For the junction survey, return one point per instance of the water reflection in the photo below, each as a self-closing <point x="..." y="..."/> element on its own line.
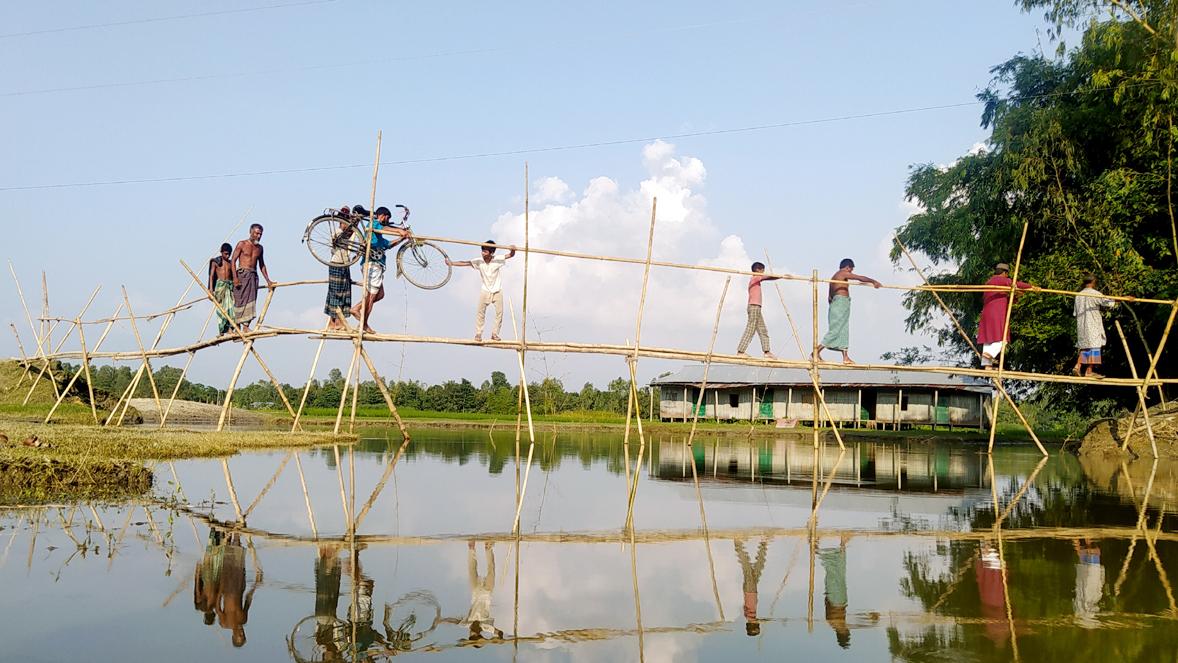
<point x="914" y="552"/>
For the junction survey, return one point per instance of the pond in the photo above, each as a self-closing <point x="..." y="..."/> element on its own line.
<point x="889" y="550"/>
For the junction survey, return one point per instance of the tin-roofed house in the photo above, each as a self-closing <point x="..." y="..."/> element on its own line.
<point x="858" y="398"/>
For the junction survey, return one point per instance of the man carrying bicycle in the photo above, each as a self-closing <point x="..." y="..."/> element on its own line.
<point x="374" y="269"/>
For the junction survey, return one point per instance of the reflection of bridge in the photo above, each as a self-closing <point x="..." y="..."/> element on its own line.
<point x="90" y="528"/>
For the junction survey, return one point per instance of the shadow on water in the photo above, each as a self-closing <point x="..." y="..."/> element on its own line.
<point x="893" y="551"/>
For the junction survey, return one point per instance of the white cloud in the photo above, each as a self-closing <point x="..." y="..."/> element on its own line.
<point x="550" y="190"/>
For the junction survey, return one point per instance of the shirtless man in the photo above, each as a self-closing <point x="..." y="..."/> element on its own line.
<point x="248" y="259"/>
<point x="838" y="324"/>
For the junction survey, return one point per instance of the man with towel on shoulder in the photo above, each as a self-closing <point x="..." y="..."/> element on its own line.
<point x="247" y="258"/>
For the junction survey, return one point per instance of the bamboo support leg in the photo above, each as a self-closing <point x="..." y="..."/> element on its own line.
<point x="265" y="489"/>
<point x="384" y="392"/>
<point x="74" y="379"/>
<point x="965" y="335"/>
<point x="155" y="393"/>
<point x="307" y="386"/>
<point x="343" y="399"/>
<point x="24" y="359"/>
<point x="527" y="403"/>
<point x="86" y="369"/>
<point x="41" y="347"/>
<point x="376" y="491"/>
<point x="184" y="372"/>
<point x="228" y="402"/>
<point x="232" y="490"/>
<point x="1140" y="396"/>
<point x="306" y="496"/>
<point x="47" y="365"/>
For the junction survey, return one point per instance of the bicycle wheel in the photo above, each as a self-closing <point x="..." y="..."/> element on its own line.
<point x="423" y="264"/>
<point x="333" y="241"/>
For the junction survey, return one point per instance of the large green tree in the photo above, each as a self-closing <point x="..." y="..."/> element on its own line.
<point x="1081" y="150"/>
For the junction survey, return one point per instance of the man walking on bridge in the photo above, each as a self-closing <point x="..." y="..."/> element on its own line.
<point x="248" y="258"/>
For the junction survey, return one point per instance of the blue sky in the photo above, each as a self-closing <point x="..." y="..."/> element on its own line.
<point x="308" y="85"/>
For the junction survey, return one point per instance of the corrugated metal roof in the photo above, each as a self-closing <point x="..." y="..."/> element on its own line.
<point x="726" y="375"/>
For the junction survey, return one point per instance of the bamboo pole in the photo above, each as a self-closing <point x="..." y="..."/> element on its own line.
<point x="307" y="386"/>
<point x="997" y="532"/>
<point x="306" y="495"/>
<point x="384" y="391"/>
<point x="155" y="393"/>
<point x="961" y="330"/>
<point x="74" y="379"/>
<point x="632" y="397"/>
<point x="527" y="401"/>
<point x="86" y="369"/>
<point x="637" y="597"/>
<point x="1140" y="397"/>
<point x="232" y="490"/>
<point x="376" y="491"/>
<point x="343" y="496"/>
<point x="154" y="344"/>
<point x="343" y="398"/>
<point x="24" y="359"/>
<point x="267" y="487"/>
<point x="358" y="339"/>
<point x="1141" y="513"/>
<point x="1006" y="334"/>
<point x="784" y="276"/>
<point x="184" y="372"/>
<point x="48" y="358"/>
<point x="817" y="391"/>
<point x="249" y="348"/>
<point x="1153" y="363"/>
<point x="45" y="330"/>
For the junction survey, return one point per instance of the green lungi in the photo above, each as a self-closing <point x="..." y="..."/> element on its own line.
<point x="223" y="291"/>
<point x="838" y="324"/>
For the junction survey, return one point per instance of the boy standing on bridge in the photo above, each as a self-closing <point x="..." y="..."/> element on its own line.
<point x="222" y="280"/>
<point x="491" y="291"/>
<point x="1090" y="336"/>
<point x="838" y="321"/>
<point x="756" y="323"/>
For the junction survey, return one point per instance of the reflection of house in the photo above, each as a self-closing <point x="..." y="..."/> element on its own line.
<point x="856" y="397"/>
<point x="907" y="467"/>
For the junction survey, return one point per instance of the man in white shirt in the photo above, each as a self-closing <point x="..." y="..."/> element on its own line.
<point x="492" y="287"/>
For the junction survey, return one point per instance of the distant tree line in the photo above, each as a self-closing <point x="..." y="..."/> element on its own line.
<point x="494" y="396"/>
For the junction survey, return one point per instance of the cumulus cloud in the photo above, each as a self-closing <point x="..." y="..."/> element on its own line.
<point x="598" y="301"/>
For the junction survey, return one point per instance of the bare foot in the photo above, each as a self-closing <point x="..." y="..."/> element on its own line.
<point x="368" y="330"/>
<point x="847" y="360"/>
<point x="1094" y="374"/>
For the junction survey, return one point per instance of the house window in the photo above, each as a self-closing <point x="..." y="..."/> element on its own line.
<point x="734" y="400"/>
<point x="904" y="402"/>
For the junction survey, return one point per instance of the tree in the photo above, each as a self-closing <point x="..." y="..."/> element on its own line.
<point x="1081" y="150"/>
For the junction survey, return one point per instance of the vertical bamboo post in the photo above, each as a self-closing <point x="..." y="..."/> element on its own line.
<point x="155" y="393"/>
<point x="527" y="400"/>
<point x="359" y="340"/>
<point x="46" y="330"/>
<point x="522" y="338"/>
<point x="814" y="354"/>
<point x="86" y="368"/>
<point x="41" y="350"/>
<point x="1005" y="334"/>
<point x="343" y="398"/>
<point x="184" y="371"/>
<point x="1140" y="396"/>
<point x="70" y="384"/>
<point x="632" y="398"/>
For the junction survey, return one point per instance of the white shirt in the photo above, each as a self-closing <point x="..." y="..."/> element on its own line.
<point x="489" y="271"/>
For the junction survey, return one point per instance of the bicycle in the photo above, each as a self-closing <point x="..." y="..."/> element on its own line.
<point x="336" y="239"/>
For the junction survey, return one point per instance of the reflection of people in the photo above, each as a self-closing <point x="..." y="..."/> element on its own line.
<point x="752" y="576"/>
<point x="834" y="570"/>
<point x="479" y="619"/>
<point x="208" y="575"/>
<point x="233" y="605"/>
<point x="1089" y="583"/>
<point x="327" y="582"/>
<point x="988" y="569"/>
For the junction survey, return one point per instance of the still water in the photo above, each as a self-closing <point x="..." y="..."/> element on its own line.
<point x="885" y="552"/>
